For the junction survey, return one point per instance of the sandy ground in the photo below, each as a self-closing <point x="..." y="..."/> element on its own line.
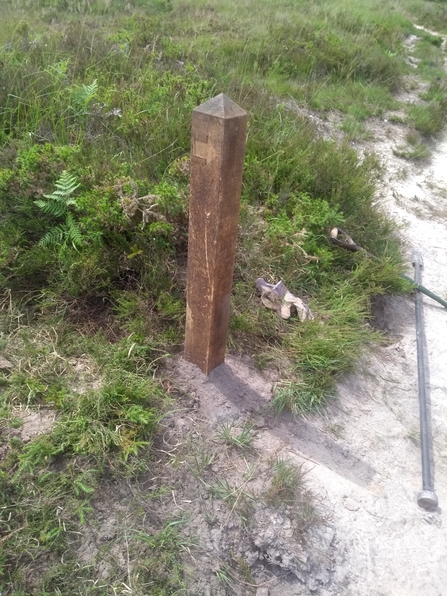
<point x="395" y="547"/>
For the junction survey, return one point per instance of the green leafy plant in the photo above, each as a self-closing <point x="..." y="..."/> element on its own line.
<point x="168" y="539"/>
<point x="82" y="95"/>
<point x="411" y="151"/>
<point x="120" y="418"/>
<point x="57" y="205"/>
<point x="224" y="491"/>
<point x="429" y="118"/>
<point x="237" y="498"/>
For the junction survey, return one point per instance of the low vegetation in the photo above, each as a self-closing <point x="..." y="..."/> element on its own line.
<point x="95" y="108"/>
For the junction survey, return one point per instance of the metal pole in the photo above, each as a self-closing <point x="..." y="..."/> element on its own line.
<point x="426" y="497"/>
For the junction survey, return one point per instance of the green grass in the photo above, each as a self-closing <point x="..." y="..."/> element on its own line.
<point x="105" y="419"/>
<point x="241" y="438"/>
<point x="355" y="130"/>
<point x="414" y="149"/>
<point x="95" y="104"/>
<point x="287" y="489"/>
<point x="285" y="483"/>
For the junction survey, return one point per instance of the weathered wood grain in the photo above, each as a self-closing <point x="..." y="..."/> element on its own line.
<point x="217" y="156"/>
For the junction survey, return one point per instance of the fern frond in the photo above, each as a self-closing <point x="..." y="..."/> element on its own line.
<point x="81" y="96"/>
<point x="58" y="201"/>
<point x="53" y="237"/>
<point x="90" y="90"/>
<point x="74" y="234"/>
<point x="66" y="183"/>
<point x="59" y="193"/>
<point x="56" y="205"/>
<point x="41" y="204"/>
<point x="53" y="208"/>
<point x="65" y="187"/>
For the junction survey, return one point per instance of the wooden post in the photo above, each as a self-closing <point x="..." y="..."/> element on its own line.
<point x="217" y="156"/>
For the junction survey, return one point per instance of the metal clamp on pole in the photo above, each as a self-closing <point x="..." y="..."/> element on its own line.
<point x="426" y="497"/>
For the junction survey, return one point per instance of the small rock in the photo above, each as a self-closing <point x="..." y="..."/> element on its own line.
<point x="433" y="519"/>
<point x="351" y="504"/>
<point x="4" y="364"/>
<point x="326" y="537"/>
<point x="312" y="584"/>
<point x="302" y="557"/>
<point x="323" y="576"/>
<point x="251" y="557"/>
<point x="262" y="592"/>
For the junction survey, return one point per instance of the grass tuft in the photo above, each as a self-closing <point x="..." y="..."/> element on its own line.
<point x="241" y="438"/>
<point x="285" y="483"/>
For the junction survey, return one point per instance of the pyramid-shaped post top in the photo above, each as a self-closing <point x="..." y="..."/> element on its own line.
<point x="221" y="106"/>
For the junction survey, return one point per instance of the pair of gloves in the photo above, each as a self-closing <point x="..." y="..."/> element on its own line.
<point x="278" y="298"/>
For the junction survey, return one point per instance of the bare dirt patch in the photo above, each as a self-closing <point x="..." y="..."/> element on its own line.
<point x="231" y="489"/>
<point x="29" y="423"/>
<point x="290" y="548"/>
